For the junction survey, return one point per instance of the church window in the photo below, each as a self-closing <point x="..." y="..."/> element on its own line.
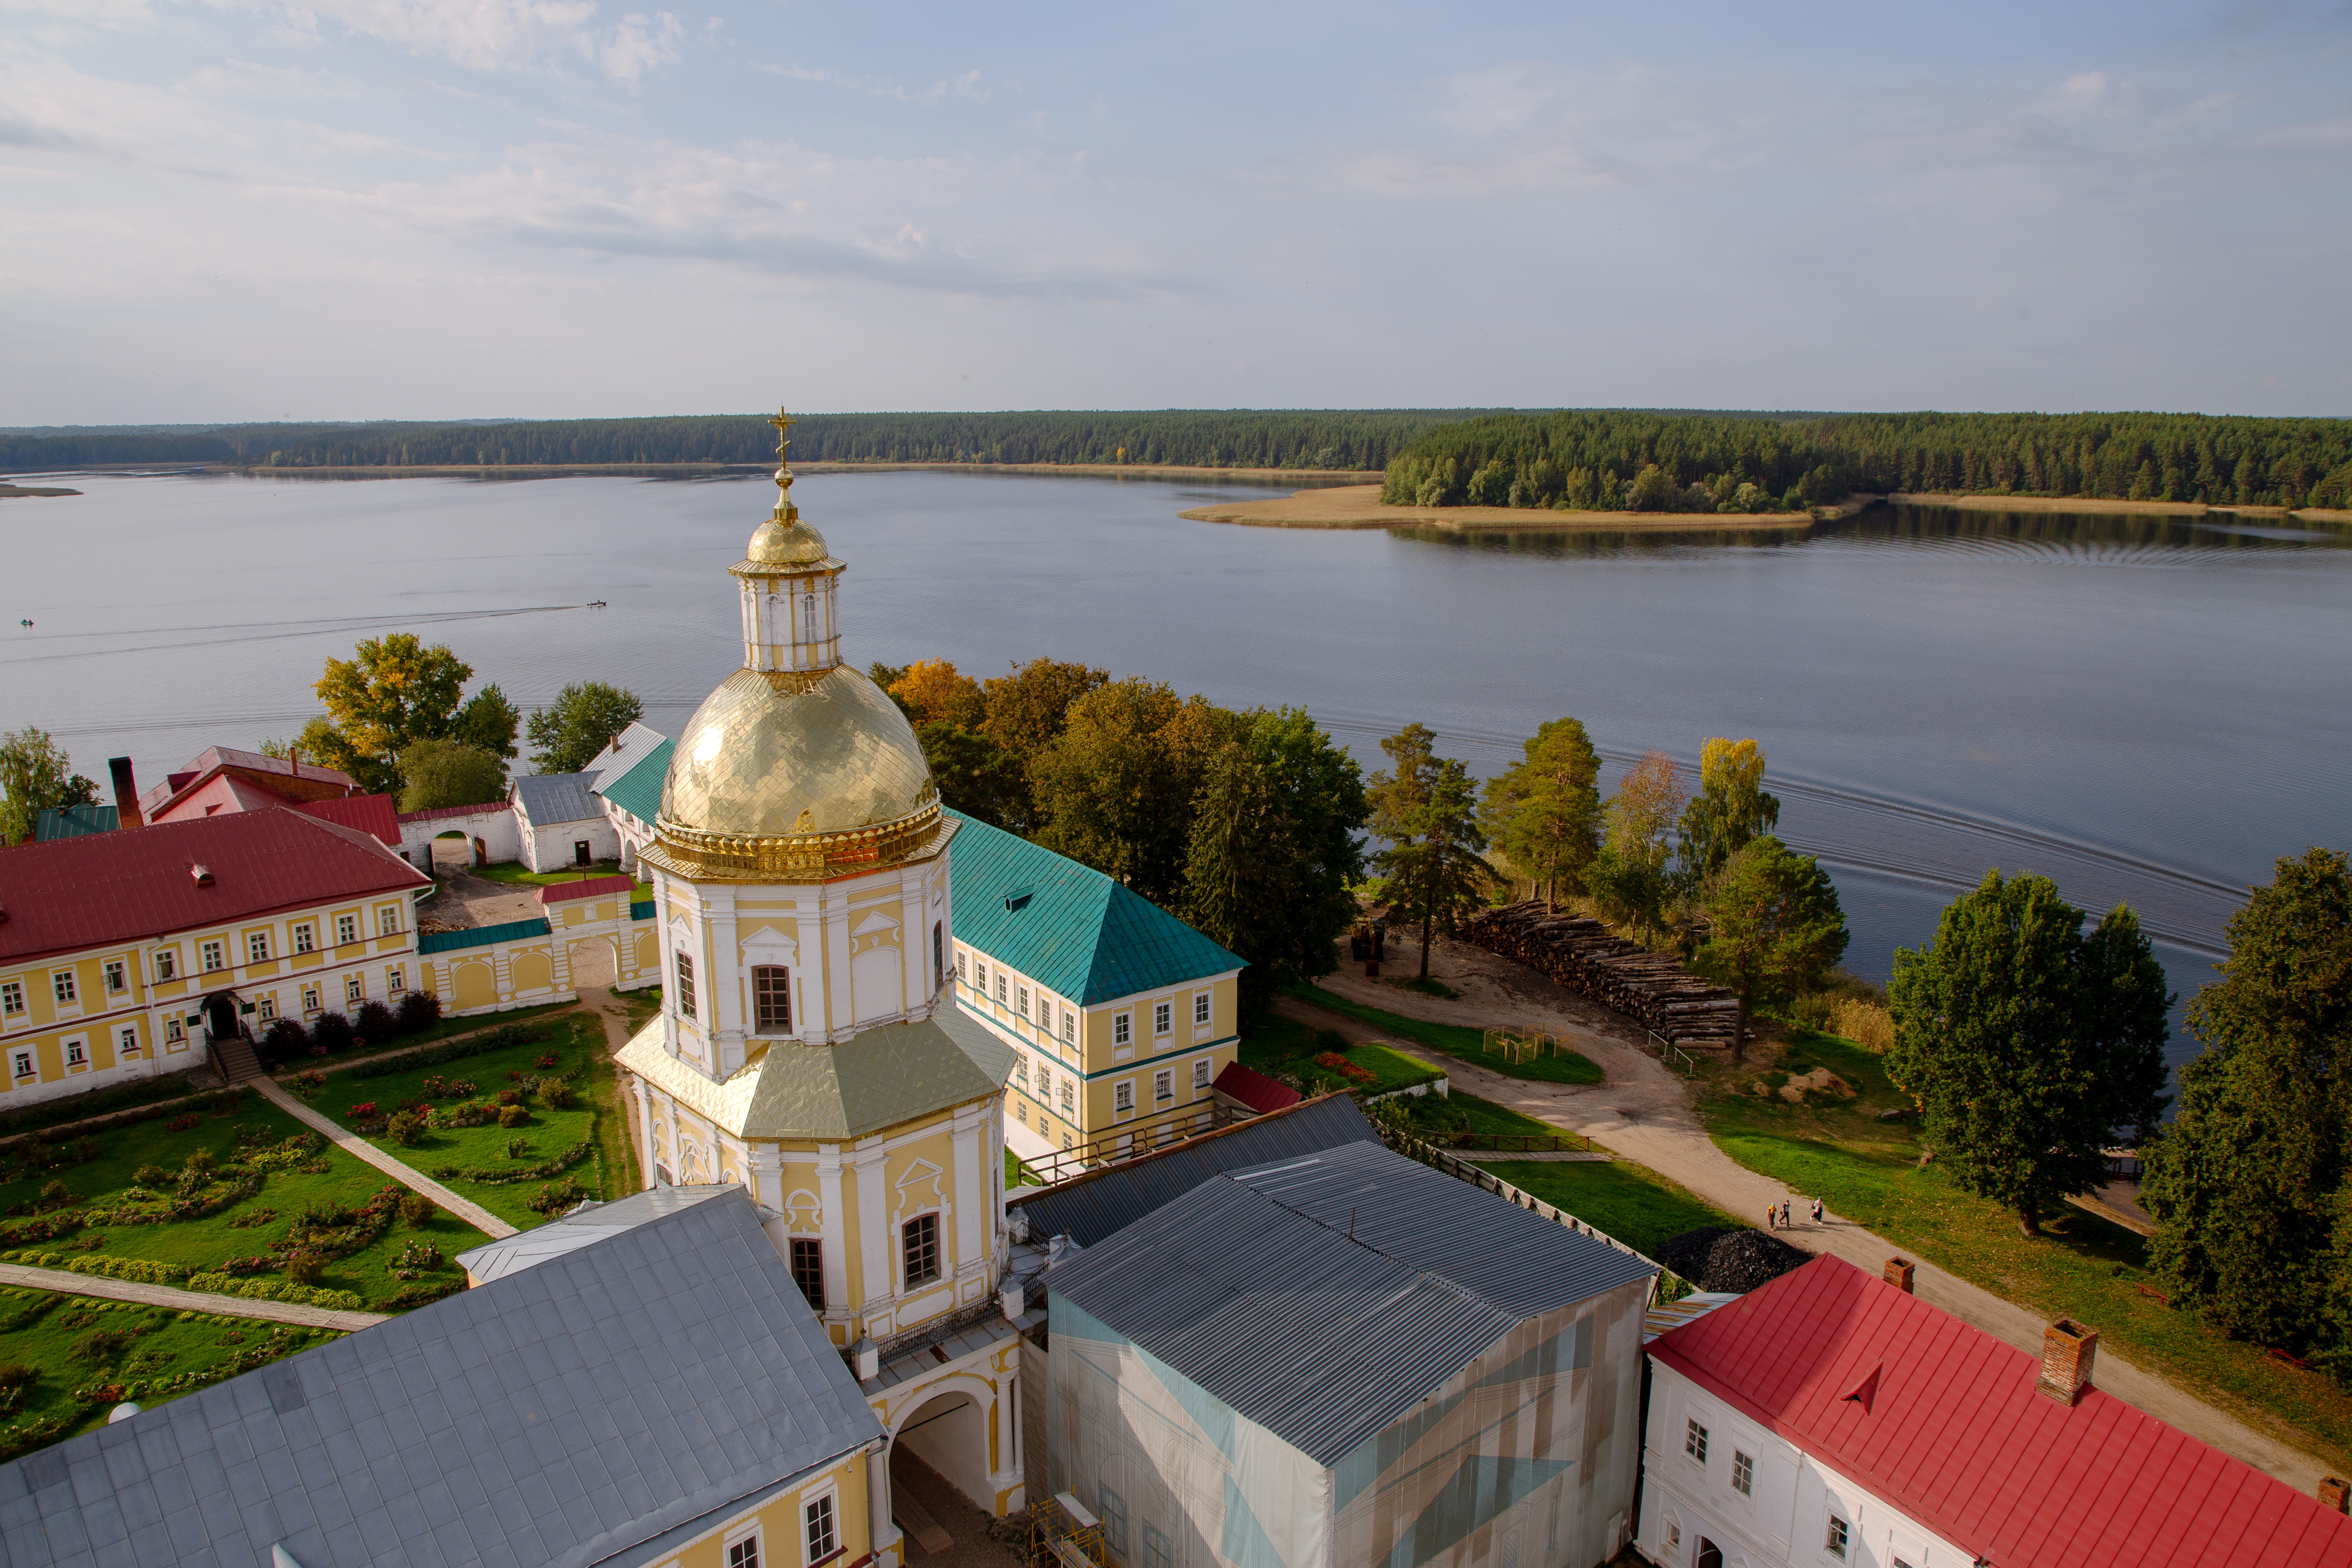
<point x="167" y="963"/>
<point x="685" y="985"/>
<point x="808" y="618"/>
<point x="920" y="1240"/>
<point x="1200" y="1010"/>
<point x="1163" y="1016"/>
<point x="1122" y="1029"/>
<point x="938" y="954"/>
<point x="1021" y="1001"/>
<point x="303" y="941"/>
<point x="257" y="947"/>
<point x="824" y="1540"/>
<point x="808" y="1269"/>
<point x="771" y="999"/>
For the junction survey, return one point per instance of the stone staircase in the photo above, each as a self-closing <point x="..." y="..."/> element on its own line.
<point x="235" y="1058"/>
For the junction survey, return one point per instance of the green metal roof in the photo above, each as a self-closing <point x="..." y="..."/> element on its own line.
<point x="1068" y="927"/>
<point x="72" y="822"/>
<point x="638" y="791"/>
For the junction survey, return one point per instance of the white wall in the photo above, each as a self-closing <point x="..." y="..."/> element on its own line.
<point x="495" y="826"/>
<point x="549" y="848"/>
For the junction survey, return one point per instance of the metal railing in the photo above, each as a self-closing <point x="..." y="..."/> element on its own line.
<point x="1668" y="1052"/>
<point x="1127" y="1143"/>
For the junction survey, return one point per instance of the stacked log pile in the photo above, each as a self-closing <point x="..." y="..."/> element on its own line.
<point x="1622" y="976"/>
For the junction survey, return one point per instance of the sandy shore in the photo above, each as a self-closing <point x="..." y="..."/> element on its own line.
<point x="2106" y="508"/>
<point x="1359" y="506"/>
<point x="7" y="489"/>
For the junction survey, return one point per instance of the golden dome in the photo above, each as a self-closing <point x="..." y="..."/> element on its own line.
<point x="785" y="540"/>
<point x="800" y="773"/>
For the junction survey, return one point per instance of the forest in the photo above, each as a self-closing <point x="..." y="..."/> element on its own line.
<point x="1609" y="460"/>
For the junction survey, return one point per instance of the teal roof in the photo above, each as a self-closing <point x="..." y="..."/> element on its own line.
<point x="638" y="791"/>
<point x="72" y="822"/>
<point x="479" y="936"/>
<point x="1066" y="926"/>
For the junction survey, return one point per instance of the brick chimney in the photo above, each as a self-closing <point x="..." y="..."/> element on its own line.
<point x="2068" y="1352"/>
<point x="126" y="794"/>
<point x="1898" y="1273"/>
<point x="2334" y="1493"/>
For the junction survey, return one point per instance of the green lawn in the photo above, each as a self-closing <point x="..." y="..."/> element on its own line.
<point x="594" y="1118"/>
<point x="446" y="1029"/>
<point x="1287" y="1047"/>
<point x="2081" y="1267"/>
<point x="515" y="872"/>
<point x="245" y="1227"/>
<point x="1455" y="1040"/>
<point x="110" y="1350"/>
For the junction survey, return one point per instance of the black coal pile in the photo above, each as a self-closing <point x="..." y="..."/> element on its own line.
<point x="1715" y="1257"/>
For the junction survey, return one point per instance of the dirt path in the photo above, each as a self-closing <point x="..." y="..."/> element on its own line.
<point x="359" y="1148"/>
<point x="613" y="1012"/>
<point x="1644" y="1112"/>
<point x="71" y="1284"/>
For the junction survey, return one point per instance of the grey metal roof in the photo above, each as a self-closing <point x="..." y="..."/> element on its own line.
<point x="590" y="1410"/>
<point x="1512" y="1256"/>
<point x="1098" y="1205"/>
<point x="1251" y="1286"/>
<point x="583" y="1226"/>
<point x="549" y="799"/>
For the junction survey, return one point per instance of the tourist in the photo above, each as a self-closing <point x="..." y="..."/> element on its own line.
<point x="1817" y="1211"/>
<point x="1784" y="1214"/>
<point x="1772" y="1217"/>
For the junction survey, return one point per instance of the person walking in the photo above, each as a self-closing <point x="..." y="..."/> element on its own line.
<point x="1772" y="1217"/>
<point x="1817" y="1211"/>
<point x="1784" y="1214"/>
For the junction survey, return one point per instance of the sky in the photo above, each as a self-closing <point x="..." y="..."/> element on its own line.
<point x="359" y="209"/>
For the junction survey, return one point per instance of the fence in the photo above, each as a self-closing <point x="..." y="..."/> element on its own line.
<point x="1518" y="1046"/>
<point x="1666" y="1051"/>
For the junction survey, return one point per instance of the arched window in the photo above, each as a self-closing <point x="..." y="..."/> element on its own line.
<point x="1710" y="1556"/>
<point x="808" y="618"/>
<point x="771" y="999"/>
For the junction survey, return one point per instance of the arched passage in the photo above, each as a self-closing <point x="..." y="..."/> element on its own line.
<point x="593" y="963"/>
<point x="452" y="851"/>
<point x="939" y="1463"/>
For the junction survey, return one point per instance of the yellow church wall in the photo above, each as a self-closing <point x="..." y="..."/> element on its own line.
<point x="780" y="1523"/>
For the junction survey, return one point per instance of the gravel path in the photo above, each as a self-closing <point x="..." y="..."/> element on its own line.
<point x="1644" y="1112"/>
<point x="24" y="1278"/>
<point x="351" y="1144"/>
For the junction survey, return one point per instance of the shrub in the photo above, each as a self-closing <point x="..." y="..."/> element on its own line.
<point x="416" y="1209"/>
<point x="309" y="1082"/>
<point x="405" y="1127"/>
<point x="518" y="1148"/>
<point x="557" y="1196"/>
<point x="283" y="1041"/>
<point x="202" y="1162"/>
<point x="304" y="1268"/>
<point x="1865" y="1022"/>
<point x="102" y="1346"/>
<point x="510" y="1096"/>
<point x="252" y="1217"/>
<point x="555" y="1094"/>
<point x="53" y="1194"/>
<point x="422" y="1291"/>
<point x="418" y="1010"/>
<point x="376" y="1023"/>
<point x="512" y="1116"/>
<point x="16" y="1377"/>
<point x="365" y="1110"/>
<point x="152" y="1175"/>
<point x="546" y="1061"/>
<point x="181" y="1123"/>
<point x="333" y="1032"/>
<point x="419" y="1255"/>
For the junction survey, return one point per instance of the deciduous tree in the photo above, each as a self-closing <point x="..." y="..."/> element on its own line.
<point x="1544" y="812"/>
<point x="1629" y="875"/>
<point x="393" y="689"/>
<point x="36" y="775"/>
<point x="488" y="721"/>
<point x="974" y="775"/>
<point x="1730" y="809"/>
<point x="1426" y="813"/>
<point x="1115" y="788"/>
<point x="1775" y="927"/>
<point x="449" y="773"/>
<point x="2029" y="1046"/>
<point x="580" y="722"/>
<point x="933" y="691"/>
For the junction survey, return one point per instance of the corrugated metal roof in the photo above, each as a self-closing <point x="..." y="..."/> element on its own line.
<point x="549" y="799"/>
<point x="637" y="789"/>
<point x="370" y="814"/>
<point x="73" y="821"/>
<point x="435" y="814"/>
<point x="1255" y="1089"/>
<point x="1100" y="1204"/>
<point x="1319" y="1339"/>
<point x="586" y="888"/>
<point x="641" y="909"/>
<point x="479" y="936"/>
<point x="1069" y="928"/>
<point x="627" y="750"/>
<point x="584" y="1227"/>
<point x="138" y="882"/>
<point x="1954" y="1435"/>
<point x="589" y="1410"/>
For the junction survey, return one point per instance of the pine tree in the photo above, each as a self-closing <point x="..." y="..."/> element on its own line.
<point x="1426" y="813"/>
<point x="1544" y="812"/>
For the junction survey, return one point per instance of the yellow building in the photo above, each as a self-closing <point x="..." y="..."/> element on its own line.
<point x="1119" y="1016"/>
<point x="128" y="953"/>
<point x="808" y="1047"/>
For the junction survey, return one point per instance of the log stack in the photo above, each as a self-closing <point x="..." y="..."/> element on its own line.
<point x="1623" y="976"/>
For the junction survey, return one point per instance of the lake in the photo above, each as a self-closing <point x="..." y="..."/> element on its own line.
<point x="2146" y="709"/>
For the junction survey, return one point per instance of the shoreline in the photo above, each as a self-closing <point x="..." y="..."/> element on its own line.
<point x="557" y="471"/>
<point x="1359" y="506"/>
<point x="2103" y="507"/>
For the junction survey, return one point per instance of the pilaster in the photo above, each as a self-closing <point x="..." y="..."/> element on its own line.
<point x="834" y="1230"/>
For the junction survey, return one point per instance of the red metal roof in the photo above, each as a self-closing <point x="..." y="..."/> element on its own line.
<point x="588" y="888"/>
<point x="1954" y="1435"/>
<point x="435" y="814"/>
<point x="74" y="893"/>
<point x="1255" y="1089"/>
<point x="368" y="813"/>
<point x="288" y="780"/>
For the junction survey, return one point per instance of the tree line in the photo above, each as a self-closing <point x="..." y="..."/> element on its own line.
<point x="1632" y="461"/>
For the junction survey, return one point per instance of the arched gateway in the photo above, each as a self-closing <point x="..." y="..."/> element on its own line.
<point x="808" y="1046"/>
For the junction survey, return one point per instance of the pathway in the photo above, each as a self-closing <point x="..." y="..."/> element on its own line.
<point x="24" y="1278"/>
<point x="1643" y="1111"/>
<point x="607" y="1004"/>
<point x="351" y="1144"/>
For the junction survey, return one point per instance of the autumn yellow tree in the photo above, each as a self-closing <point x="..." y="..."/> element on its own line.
<point x="934" y="693"/>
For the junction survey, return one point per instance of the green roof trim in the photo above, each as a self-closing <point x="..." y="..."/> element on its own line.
<point x="638" y="791"/>
<point x="1068" y="927"/>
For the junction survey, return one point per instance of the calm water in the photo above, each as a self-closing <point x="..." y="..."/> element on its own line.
<point x="2147" y="709"/>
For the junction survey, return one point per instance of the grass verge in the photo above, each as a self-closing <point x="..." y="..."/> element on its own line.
<point x="2081" y="1267"/>
<point x="516" y="873"/>
<point x="1455" y="1040"/>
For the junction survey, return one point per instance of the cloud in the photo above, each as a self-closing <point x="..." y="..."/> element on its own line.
<point x="966" y="86"/>
<point x="498" y="35"/>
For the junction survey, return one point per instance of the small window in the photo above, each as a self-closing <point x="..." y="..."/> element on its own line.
<point x="1902" y="1562"/>
<point x="24" y="1063"/>
<point x="1021" y="1001"/>
<point x="1122" y="1029"/>
<point x="302" y="939"/>
<point x="1835" y="1544"/>
<point x="1045" y="1015"/>
<point x="1021" y="1112"/>
<point x="1163" y="1085"/>
<point x="824" y="1541"/>
<point x="213" y="957"/>
<point x="771" y="999"/>
<point x="167" y="962"/>
<point x="1163" y="1015"/>
<point x="1694" y="1441"/>
<point x="77" y="1054"/>
<point x="808" y="1269"/>
<point x="1743" y="1473"/>
<point x="1069" y="1026"/>
<point x="1066" y="1143"/>
<point x="269" y="1007"/>
<point x="12" y="997"/>
<point x="62" y="982"/>
<point x="257" y="947"/>
<point x="114" y="974"/>
<point x="1045" y="1081"/>
<point x="963" y="967"/>
<point x="938" y="954"/>
<point x="1000" y="986"/>
<point x="394" y="982"/>
<point x="1200" y="1010"/>
<point x="685" y="985"/>
<point x="347" y="929"/>
<point x="744" y="1554"/>
<point x="310" y="999"/>
<point x="1200" y="1075"/>
<point x="388" y="921"/>
<point x="352" y="990"/>
<point x="1021" y="1070"/>
<point x="980" y="973"/>
<point x="172" y="1034"/>
<point x="1069" y="1095"/>
<point x="127" y="1044"/>
<point x="920" y="1245"/>
<point x="1122" y="1097"/>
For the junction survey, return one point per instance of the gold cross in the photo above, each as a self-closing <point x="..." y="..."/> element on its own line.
<point x="784" y="423"/>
